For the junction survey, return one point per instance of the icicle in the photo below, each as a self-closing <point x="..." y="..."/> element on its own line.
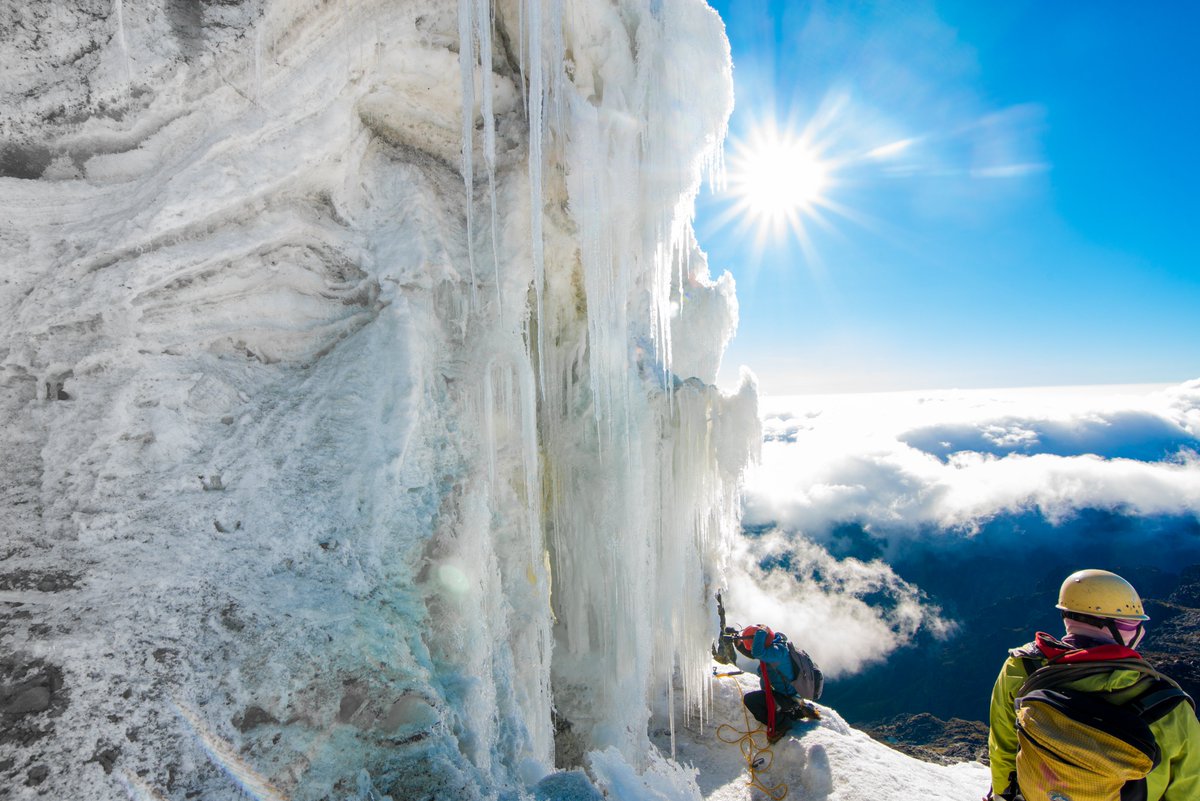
<point x="556" y="57"/>
<point x="636" y="506"/>
<point x="671" y="713"/>
<point x="543" y="739"/>
<point x="466" y="66"/>
<point x="483" y="29"/>
<point x="489" y="420"/>
<point x="536" y="106"/>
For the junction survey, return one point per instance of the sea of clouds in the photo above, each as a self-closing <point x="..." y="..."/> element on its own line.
<point x="1013" y="471"/>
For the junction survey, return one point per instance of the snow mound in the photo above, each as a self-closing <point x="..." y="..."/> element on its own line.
<point x="825" y="760"/>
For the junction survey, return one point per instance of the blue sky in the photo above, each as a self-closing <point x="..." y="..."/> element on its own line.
<point x="1010" y="194"/>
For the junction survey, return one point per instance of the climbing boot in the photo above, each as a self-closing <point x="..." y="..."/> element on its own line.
<point x="806" y="711"/>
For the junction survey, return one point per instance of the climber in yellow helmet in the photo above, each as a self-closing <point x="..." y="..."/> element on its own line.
<point x="1084" y="717"/>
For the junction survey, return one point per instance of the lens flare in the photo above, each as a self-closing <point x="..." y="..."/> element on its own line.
<point x="137" y="788"/>
<point x="223" y="753"/>
<point x="453" y="579"/>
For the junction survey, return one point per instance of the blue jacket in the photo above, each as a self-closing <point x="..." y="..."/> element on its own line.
<point x="774" y="657"/>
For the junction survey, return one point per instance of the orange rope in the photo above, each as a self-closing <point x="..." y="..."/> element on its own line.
<point x="757" y="758"/>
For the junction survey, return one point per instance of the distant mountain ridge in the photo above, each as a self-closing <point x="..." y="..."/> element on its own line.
<point x="1172" y="645"/>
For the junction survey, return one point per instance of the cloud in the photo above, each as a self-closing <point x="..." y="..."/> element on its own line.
<point x="1009" y="170"/>
<point x="891" y="149"/>
<point x="847" y="613"/>
<point x="903" y="463"/>
<point x="859" y="499"/>
<point x="1135" y="434"/>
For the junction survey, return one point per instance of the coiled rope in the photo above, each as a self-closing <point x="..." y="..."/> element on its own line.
<point x="758" y="758"/>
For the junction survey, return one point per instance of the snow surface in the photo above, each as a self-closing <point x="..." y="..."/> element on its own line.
<point x="346" y="434"/>
<point x="816" y="761"/>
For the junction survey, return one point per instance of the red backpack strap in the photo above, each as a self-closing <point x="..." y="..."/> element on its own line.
<point x="1056" y="651"/>
<point x="766" y="681"/>
<point x="1048" y="647"/>
<point x="1100" y="653"/>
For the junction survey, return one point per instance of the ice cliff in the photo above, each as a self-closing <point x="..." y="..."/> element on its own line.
<point x="354" y="444"/>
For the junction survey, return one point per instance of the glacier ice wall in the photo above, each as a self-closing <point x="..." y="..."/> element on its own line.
<point x="355" y="367"/>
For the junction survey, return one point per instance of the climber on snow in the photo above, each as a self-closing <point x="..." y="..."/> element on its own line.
<point x="1085" y="717"/>
<point x="788" y="678"/>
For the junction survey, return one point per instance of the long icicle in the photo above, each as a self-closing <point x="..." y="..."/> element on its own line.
<point x="484" y="23"/>
<point x="536" y="108"/>
<point x="466" y="66"/>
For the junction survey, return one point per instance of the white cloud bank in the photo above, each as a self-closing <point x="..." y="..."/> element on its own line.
<point x="846" y="613"/>
<point x="953" y="460"/>
<point x="906" y="466"/>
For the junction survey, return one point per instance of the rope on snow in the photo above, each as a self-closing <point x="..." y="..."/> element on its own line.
<point x="758" y="758"/>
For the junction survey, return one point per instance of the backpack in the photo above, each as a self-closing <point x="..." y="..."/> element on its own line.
<point x="1075" y="745"/>
<point x="808" y="682"/>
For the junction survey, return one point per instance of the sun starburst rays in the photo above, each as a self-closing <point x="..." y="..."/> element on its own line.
<point x="790" y="189"/>
<point x="778" y="183"/>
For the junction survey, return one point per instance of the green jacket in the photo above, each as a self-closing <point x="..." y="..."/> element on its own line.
<point x="1177" y="776"/>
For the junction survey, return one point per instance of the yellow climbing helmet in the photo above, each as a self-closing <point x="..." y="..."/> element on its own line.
<point x="1100" y="593"/>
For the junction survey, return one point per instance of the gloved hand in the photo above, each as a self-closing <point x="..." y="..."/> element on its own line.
<point x="722" y="651"/>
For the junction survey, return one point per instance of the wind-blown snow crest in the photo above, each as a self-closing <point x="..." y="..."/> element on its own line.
<point x="355" y="444"/>
<point x="824" y="760"/>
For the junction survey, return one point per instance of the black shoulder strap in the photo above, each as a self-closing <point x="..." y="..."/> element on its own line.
<point x="1031" y="664"/>
<point x="1055" y="674"/>
<point x="795" y="657"/>
<point x="1154" y="696"/>
<point x="1157" y="703"/>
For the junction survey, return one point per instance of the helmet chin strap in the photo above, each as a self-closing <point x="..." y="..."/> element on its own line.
<point x="1107" y="625"/>
<point x="1134" y="637"/>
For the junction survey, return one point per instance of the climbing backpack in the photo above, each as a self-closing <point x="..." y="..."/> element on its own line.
<point x="809" y="681"/>
<point x="1075" y="745"/>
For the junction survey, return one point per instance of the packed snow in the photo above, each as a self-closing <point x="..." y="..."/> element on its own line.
<point x="360" y="435"/>
<point x="825" y="760"/>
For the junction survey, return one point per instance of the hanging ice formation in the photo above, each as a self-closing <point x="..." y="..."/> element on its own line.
<point x="357" y="365"/>
<point x="638" y="472"/>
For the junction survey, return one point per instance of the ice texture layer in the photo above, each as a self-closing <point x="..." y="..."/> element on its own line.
<point x="356" y="366"/>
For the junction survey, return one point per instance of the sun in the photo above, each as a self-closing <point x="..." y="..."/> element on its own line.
<point x="778" y="181"/>
<point x="779" y="177"/>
